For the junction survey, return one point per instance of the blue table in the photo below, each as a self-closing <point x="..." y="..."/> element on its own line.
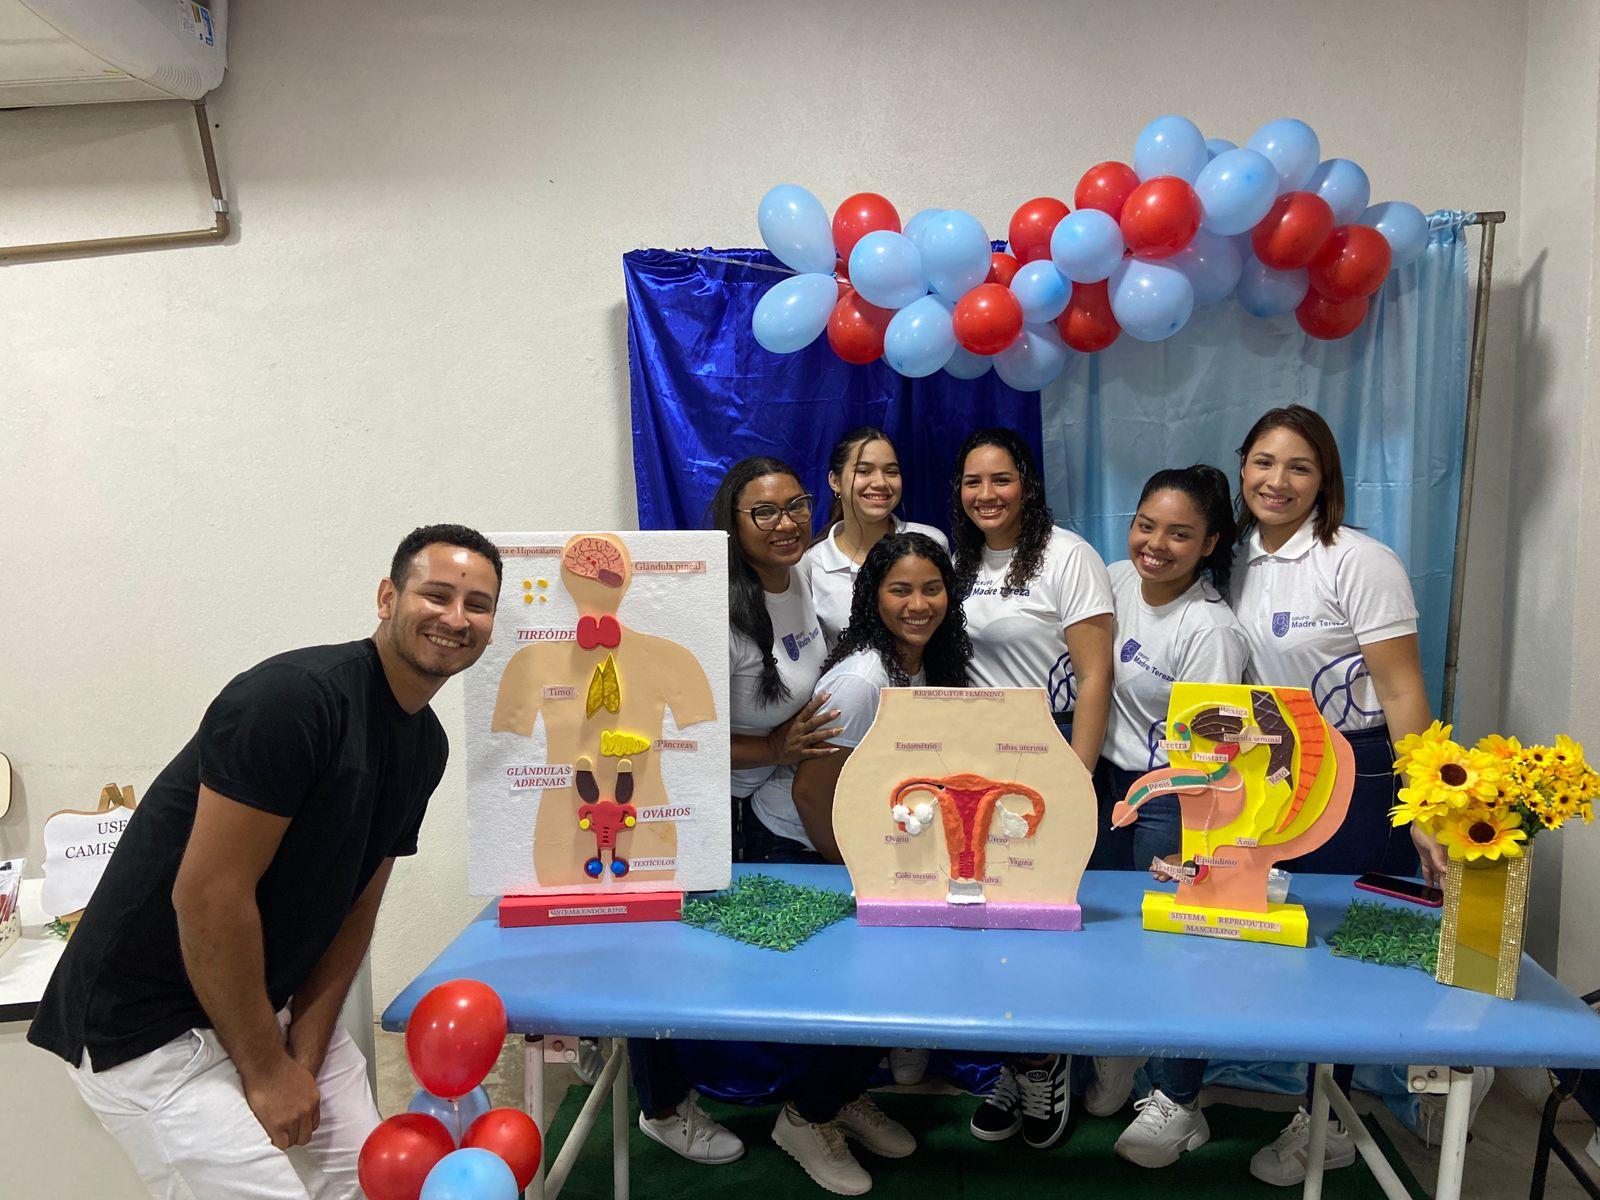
<point x="1110" y="989"/>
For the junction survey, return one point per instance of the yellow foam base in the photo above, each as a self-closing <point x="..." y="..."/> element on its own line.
<point x="1281" y="924"/>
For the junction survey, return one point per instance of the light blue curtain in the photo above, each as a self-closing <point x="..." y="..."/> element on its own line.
<point x="1394" y="392"/>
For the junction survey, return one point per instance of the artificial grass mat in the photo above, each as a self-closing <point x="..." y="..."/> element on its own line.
<point x="767" y="912"/>
<point x="950" y="1164"/>
<point x="1381" y="933"/>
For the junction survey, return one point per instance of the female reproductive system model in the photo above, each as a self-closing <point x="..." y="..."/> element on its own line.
<point x="965" y="807"/>
<point x="1260" y="777"/>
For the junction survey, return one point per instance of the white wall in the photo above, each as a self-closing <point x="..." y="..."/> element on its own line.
<point x="207" y="455"/>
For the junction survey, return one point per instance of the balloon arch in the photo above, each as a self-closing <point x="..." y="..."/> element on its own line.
<point x="1191" y="222"/>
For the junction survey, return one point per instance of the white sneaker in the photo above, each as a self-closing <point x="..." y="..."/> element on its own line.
<point x="908" y="1066"/>
<point x="1162" y="1130"/>
<point x="1113" y="1084"/>
<point x="874" y="1129"/>
<point x="689" y="1133"/>
<point x="1283" y="1163"/>
<point x="821" y="1151"/>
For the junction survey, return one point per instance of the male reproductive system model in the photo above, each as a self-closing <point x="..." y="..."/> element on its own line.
<point x="965" y="807"/>
<point x="1260" y="777"/>
<point x="577" y="662"/>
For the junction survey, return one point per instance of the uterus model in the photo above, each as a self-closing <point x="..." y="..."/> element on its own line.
<point x="965" y="807"/>
<point x="1259" y="777"/>
<point x="602" y="689"/>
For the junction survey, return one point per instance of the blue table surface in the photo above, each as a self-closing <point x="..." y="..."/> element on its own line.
<point x="1112" y="988"/>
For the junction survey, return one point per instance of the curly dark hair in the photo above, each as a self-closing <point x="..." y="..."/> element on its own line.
<point x="949" y="651"/>
<point x="440" y="535"/>
<point x="1037" y="519"/>
<point x="747" y="603"/>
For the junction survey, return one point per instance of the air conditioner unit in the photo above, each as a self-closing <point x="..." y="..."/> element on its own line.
<point x="96" y="51"/>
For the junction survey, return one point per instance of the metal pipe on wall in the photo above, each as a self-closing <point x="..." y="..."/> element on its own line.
<point x="220" y="228"/>
<point x="1480" y="338"/>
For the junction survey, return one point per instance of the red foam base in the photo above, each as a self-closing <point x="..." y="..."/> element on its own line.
<point x="587" y="909"/>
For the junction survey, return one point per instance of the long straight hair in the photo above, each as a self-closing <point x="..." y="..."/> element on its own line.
<point x="747" y="601"/>
<point x="1297" y="418"/>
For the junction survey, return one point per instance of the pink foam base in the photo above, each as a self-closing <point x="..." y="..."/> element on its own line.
<point x="990" y="915"/>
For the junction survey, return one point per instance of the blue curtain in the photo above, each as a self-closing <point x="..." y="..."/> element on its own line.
<point x="704" y="395"/>
<point x="1394" y="391"/>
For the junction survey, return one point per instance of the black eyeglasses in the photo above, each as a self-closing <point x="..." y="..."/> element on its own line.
<point x="767" y="516"/>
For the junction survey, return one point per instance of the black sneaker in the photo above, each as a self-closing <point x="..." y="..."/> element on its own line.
<point x="1046" y="1102"/>
<point x="1000" y="1114"/>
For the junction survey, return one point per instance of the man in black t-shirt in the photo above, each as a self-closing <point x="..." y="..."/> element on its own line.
<point x="198" y="1000"/>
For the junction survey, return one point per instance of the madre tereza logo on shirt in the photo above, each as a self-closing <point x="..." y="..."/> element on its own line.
<point x="1131" y="652"/>
<point x="794" y="643"/>
<point x="1282" y="622"/>
<point x="996" y="589"/>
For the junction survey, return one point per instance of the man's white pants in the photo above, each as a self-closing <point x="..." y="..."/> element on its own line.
<point x="180" y="1114"/>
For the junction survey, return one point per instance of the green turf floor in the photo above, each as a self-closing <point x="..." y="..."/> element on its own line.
<point x="951" y="1165"/>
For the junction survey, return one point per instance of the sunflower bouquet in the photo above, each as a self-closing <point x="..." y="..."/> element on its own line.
<point x="1489" y="800"/>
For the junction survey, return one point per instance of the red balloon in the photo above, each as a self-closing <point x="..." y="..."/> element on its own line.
<point x="510" y="1133"/>
<point x="1293" y="231"/>
<point x="454" y="1037"/>
<point x="1032" y="225"/>
<point x="1106" y="186"/>
<point x="1002" y="269"/>
<point x="855" y="328"/>
<point x="988" y="319"/>
<point x="1328" y="319"/>
<point x="1161" y="217"/>
<point x="1354" y="261"/>
<point x="1088" y="324"/>
<point x="399" y="1153"/>
<point x="861" y="214"/>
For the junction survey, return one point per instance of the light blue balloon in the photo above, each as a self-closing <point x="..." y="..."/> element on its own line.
<point x="794" y="312"/>
<point x="1212" y="263"/>
<point x="955" y="253"/>
<point x="1041" y="291"/>
<point x="1151" y="300"/>
<point x="457" y="1117"/>
<point x="1403" y="225"/>
<point x="1264" y="292"/>
<point x="1344" y="185"/>
<point x="471" y="1174"/>
<point x="914" y="227"/>
<point x="795" y="227"/>
<point x="1292" y="147"/>
<point x="1087" y="246"/>
<point x="920" y="337"/>
<point x="1169" y="146"/>
<point x="964" y="364"/>
<point x="1236" y="189"/>
<point x="1216" y="146"/>
<point x="1033" y="360"/>
<point x="887" y="270"/>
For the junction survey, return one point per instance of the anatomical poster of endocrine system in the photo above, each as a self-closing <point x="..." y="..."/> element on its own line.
<point x="597" y="719"/>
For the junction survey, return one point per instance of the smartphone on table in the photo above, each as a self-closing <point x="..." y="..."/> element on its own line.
<point x="1413" y="890"/>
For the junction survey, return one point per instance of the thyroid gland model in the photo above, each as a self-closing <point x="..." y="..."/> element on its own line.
<point x="1259" y="777"/>
<point x="965" y="807"/>
<point x="602" y="688"/>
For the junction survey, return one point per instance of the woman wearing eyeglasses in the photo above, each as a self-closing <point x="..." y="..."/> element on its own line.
<point x="864" y="475"/>
<point x="775" y="654"/>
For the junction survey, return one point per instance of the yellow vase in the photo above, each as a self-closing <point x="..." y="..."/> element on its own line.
<point x="1485" y="912"/>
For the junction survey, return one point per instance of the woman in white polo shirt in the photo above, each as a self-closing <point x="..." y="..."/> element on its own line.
<point x="1172" y="624"/>
<point x="1325" y="607"/>
<point x="864" y="475"/>
<point x="1039" y="613"/>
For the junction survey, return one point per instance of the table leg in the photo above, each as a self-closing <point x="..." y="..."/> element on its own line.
<point x="533" y="1101"/>
<point x="619" y="1123"/>
<point x="1453" y="1142"/>
<point x="1371" y="1152"/>
<point x="1317" y="1151"/>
